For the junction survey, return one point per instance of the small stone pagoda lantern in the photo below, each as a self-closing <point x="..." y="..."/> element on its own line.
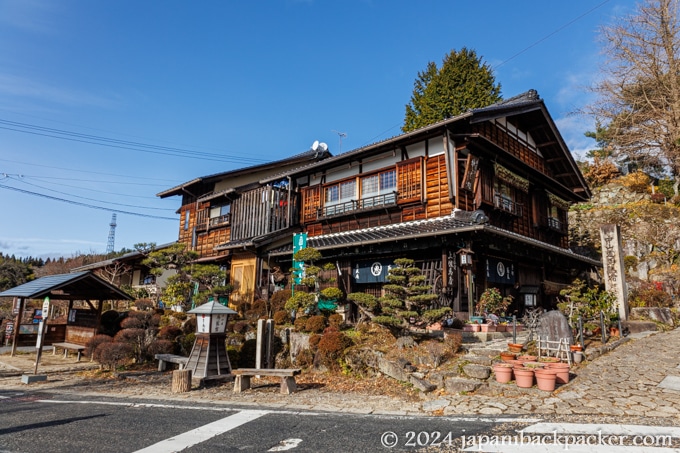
<point x="209" y="355"/>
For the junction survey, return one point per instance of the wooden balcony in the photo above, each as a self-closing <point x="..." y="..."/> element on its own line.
<point x="204" y="222"/>
<point x="364" y="204"/>
<point x="507" y="205"/>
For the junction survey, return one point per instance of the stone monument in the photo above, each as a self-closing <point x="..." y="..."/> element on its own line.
<point x="612" y="260"/>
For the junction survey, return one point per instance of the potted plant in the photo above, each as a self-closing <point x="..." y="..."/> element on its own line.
<point x="492" y="302"/>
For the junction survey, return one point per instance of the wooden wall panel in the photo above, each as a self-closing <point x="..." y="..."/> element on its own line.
<point x="437" y="188"/>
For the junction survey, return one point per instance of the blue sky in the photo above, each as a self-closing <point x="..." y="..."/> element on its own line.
<point x="106" y="103"/>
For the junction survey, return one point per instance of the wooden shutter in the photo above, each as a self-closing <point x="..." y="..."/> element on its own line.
<point x="410" y="180"/>
<point x="311" y="202"/>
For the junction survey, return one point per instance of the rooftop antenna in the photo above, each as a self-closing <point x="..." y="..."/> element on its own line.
<point x="341" y="135"/>
<point x="112" y="234"/>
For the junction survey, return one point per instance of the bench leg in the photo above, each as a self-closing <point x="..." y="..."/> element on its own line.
<point x="161" y="365"/>
<point x="241" y="383"/>
<point x="54" y="350"/>
<point x="288" y="385"/>
<point x="79" y="353"/>
<point x="65" y="353"/>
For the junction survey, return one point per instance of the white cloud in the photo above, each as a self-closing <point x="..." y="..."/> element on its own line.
<point x="573" y="127"/>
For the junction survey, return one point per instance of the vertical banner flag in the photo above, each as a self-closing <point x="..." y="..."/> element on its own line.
<point x="299" y="243"/>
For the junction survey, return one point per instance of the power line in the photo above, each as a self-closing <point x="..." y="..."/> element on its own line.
<point x="554" y="32"/>
<point x="86" y="198"/>
<point x="77" y="203"/>
<point x="120" y="144"/>
<point x="171" y="181"/>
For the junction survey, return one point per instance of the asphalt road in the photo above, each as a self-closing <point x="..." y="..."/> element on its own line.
<point x="41" y="422"/>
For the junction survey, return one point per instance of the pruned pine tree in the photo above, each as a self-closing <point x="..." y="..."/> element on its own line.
<point x="406" y="301"/>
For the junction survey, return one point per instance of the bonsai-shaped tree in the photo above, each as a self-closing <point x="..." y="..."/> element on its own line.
<point x="580" y="300"/>
<point x="310" y="277"/>
<point x="405" y="301"/>
<point x="492" y="302"/>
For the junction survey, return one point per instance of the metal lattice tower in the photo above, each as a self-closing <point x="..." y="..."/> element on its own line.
<point x="112" y="235"/>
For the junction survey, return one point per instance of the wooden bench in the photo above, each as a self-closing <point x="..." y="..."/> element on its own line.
<point x="243" y="375"/>
<point x="163" y="360"/>
<point x="68" y="347"/>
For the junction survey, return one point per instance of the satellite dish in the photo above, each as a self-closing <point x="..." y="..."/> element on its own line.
<point x="315" y="145"/>
<point x="323" y="146"/>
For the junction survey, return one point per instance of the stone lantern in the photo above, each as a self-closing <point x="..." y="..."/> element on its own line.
<point x="209" y="355"/>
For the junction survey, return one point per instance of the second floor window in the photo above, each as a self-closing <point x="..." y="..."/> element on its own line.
<point x="220" y="214"/>
<point x="379" y="189"/>
<point x="340" y="197"/>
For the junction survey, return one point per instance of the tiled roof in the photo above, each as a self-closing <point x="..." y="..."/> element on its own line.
<point x="420" y="228"/>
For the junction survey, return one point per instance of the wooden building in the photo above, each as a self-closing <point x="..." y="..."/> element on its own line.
<point x="478" y="200"/>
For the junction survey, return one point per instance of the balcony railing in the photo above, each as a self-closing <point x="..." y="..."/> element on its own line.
<point x="556" y="224"/>
<point x="205" y="222"/>
<point x="378" y="201"/>
<point x="507" y="205"/>
<point x="221" y="220"/>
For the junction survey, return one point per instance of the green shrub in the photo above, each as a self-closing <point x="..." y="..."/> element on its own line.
<point x="161" y="347"/>
<point x="234" y="355"/>
<point x="96" y="341"/>
<point x="281" y="317"/>
<point x="648" y="295"/>
<point x="300" y="323"/>
<point x="169" y="333"/>
<point x="389" y="321"/>
<point x="331" y="346"/>
<point x="314" y="340"/>
<point x="247" y="354"/>
<point x="315" y="324"/>
<point x="279" y="299"/>
<point x="335" y="320"/>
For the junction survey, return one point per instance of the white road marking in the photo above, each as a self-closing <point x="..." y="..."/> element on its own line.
<point x="286" y="444"/>
<point x="203" y="433"/>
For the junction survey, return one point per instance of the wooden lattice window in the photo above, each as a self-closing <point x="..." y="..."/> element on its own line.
<point x="311" y="202"/>
<point x="410" y="180"/>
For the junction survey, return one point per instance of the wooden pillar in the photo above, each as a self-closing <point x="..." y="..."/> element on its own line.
<point x="16" y="325"/>
<point x="181" y="381"/>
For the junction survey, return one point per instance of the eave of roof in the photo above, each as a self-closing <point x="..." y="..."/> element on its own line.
<point x="420" y="229"/>
<point x="301" y="157"/>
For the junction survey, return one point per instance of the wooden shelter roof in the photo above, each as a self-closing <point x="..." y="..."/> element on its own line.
<point x="74" y="286"/>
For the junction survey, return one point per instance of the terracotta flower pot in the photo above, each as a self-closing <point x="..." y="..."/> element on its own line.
<point x="501" y="328"/>
<point x="576" y="347"/>
<point x="503" y="373"/>
<point x="614" y="331"/>
<point x="546" y="378"/>
<point x="515" y="347"/>
<point x="508" y="356"/>
<point x="527" y="358"/>
<point x="488" y="327"/>
<point x="562" y="370"/>
<point x="548" y="360"/>
<point x="524" y="377"/>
